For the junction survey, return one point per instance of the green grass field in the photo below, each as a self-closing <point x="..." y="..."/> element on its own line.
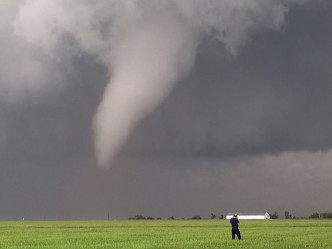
<point x="165" y="234"/>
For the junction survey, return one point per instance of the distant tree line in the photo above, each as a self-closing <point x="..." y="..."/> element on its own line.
<point x="214" y="216"/>
<point x="317" y="215"/>
<point x="141" y="217"/>
<point x="273" y="215"/>
<point x="195" y="217"/>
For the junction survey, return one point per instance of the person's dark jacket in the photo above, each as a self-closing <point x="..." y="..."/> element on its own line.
<point x="234" y="221"/>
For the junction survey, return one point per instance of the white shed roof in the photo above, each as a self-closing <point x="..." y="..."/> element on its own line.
<point x="247" y="213"/>
<point x="250" y="215"/>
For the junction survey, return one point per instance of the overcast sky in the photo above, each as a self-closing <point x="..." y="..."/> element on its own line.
<point x="233" y="110"/>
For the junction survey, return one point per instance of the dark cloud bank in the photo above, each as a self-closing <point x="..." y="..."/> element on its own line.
<point x="244" y="132"/>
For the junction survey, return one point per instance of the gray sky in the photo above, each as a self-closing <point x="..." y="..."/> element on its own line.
<point x="246" y="127"/>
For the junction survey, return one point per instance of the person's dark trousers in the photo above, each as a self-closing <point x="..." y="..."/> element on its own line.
<point x="237" y="232"/>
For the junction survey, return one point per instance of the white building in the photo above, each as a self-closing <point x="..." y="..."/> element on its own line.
<point x="250" y="216"/>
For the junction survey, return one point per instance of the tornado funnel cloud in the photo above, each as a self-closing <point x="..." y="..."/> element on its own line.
<point x="145" y="66"/>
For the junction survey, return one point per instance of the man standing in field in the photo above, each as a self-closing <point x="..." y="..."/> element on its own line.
<point x="235" y="227"/>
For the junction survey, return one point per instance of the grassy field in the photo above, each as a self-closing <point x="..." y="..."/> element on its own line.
<point x="165" y="234"/>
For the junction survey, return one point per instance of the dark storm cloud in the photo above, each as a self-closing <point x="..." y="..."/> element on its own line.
<point x="240" y="133"/>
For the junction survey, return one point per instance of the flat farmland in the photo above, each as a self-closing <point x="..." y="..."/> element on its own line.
<point x="126" y="234"/>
